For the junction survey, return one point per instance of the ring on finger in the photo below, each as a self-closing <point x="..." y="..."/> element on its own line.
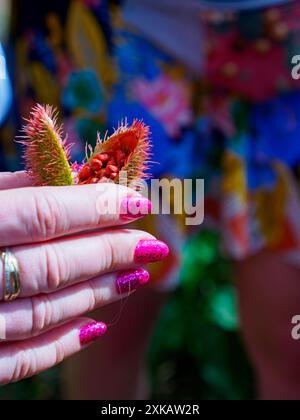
<point x="11" y="276"/>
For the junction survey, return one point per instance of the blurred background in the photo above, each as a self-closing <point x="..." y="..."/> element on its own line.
<point x="99" y="61"/>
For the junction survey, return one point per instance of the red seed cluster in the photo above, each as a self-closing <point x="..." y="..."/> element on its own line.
<point x="102" y="168"/>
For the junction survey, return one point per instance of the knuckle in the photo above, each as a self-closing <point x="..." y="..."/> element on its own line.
<point x="54" y="267"/>
<point x="94" y="300"/>
<point x="42" y="314"/>
<point x="59" y="352"/>
<point x="24" y="364"/>
<point x="44" y="222"/>
<point x="110" y="253"/>
<point x="5" y="372"/>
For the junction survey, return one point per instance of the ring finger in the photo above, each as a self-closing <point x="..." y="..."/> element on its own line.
<point x="29" y="317"/>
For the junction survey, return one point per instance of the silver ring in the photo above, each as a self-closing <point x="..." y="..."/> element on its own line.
<point x="11" y="276"/>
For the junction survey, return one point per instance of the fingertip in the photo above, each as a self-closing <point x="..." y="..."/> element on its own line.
<point x="130" y="280"/>
<point x="134" y="207"/>
<point x="91" y="331"/>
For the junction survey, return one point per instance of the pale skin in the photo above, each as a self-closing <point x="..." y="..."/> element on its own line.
<point x="69" y="255"/>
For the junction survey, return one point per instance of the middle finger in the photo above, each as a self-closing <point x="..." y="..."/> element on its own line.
<point x="53" y="265"/>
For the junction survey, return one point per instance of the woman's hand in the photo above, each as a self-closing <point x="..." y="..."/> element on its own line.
<point x="72" y="252"/>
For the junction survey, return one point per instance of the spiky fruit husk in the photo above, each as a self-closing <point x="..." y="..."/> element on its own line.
<point x="46" y="152"/>
<point x="127" y="150"/>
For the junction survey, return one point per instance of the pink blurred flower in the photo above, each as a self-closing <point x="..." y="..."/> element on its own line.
<point x="167" y="100"/>
<point x="249" y="72"/>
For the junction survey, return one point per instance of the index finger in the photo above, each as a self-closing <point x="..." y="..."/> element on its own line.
<point x="37" y="214"/>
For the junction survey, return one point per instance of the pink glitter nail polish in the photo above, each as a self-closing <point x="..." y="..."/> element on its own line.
<point x="91" y="332"/>
<point x="152" y="250"/>
<point x="128" y="281"/>
<point x="135" y="207"/>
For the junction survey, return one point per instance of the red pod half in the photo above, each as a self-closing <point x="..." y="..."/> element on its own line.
<point x="127" y="150"/>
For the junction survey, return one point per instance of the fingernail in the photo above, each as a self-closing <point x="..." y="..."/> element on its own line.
<point x="131" y="280"/>
<point x="134" y="207"/>
<point x="148" y="251"/>
<point x="90" y="332"/>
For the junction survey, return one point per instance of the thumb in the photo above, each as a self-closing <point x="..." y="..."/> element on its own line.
<point x="10" y="180"/>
